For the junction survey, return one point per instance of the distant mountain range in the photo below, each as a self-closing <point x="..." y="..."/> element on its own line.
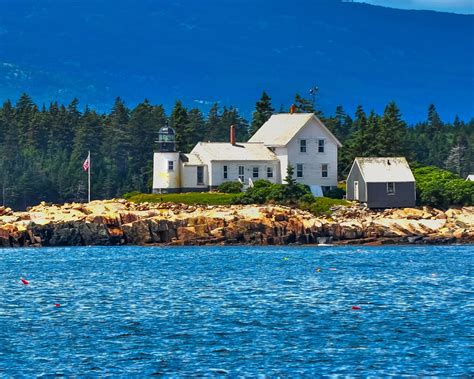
<point x="229" y="51"/>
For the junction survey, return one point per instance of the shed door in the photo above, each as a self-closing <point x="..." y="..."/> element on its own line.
<point x="356" y="190"/>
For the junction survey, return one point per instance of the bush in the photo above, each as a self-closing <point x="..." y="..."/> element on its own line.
<point x="129" y="195"/>
<point x="442" y="188"/>
<point x="230" y="187"/>
<point x="322" y="205"/>
<point x="335" y="193"/>
<point x="258" y="194"/>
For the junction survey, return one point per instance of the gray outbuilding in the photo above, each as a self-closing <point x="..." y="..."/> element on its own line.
<point x="382" y="182"/>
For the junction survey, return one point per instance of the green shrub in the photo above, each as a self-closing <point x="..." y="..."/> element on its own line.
<point x="129" y="195"/>
<point x="335" y="193"/>
<point x="258" y="194"/>
<point x="442" y="188"/>
<point x="322" y="205"/>
<point x="230" y="187"/>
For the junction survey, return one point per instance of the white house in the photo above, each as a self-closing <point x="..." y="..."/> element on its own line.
<point x="297" y="139"/>
<point x="470" y="178"/>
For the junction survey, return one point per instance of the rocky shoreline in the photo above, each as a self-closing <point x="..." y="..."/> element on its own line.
<point x="118" y="222"/>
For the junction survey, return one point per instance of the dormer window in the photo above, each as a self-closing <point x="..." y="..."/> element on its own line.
<point x="302" y="146"/>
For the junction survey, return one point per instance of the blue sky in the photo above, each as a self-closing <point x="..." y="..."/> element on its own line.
<point x="457" y="6"/>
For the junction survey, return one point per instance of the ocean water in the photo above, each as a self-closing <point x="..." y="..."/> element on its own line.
<point x="237" y="311"/>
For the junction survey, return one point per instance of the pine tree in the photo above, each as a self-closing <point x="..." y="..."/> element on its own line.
<point x="178" y="121"/>
<point x="392" y="132"/>
<point x="195" y="129"/>
<point x="263" y="111"/>
<point x="303" y="105"/>
<point x="213" y="123"/>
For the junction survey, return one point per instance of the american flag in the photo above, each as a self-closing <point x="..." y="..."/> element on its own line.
<point x="87" y="163"/>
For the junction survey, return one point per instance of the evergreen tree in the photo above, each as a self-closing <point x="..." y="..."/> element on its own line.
<point x="392" y="132"/>
<point x="303" y="105"/>
<point x="213" y="123"/>
<point x="178" y="121"/>
<point x="263" y="111"/>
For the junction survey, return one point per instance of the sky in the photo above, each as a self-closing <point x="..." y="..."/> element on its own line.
<point x="456" y="6"/>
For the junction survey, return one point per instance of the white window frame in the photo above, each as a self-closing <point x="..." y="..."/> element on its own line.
<point x="392" y="192"/>
<point x="298" y="170"/>
<point x="255" y="170"/>
<point x="303" y="147"/>
<point x="323" y="145"/>
<point x="269" y="172"/>
<point x="170" y="165"/>
<point x="324" y="170"/>
<point x="225" y="172"/>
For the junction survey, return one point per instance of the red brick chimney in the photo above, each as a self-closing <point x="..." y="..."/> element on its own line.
<point x="292" y="108"/>
<point x="232" y="134"/>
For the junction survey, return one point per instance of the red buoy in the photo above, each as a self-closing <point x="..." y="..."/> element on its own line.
<point x="57" y="305"/>
<point x="24" y="281"/>
<point x="355" y="308"/>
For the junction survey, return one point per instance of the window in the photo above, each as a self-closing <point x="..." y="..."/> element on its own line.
<point x="200" y="174"/>
<point x="225" y="172"/>
<point x="390" y="188"/>
<point x="299" y="170"/>
<point x="269" y="172"/>
<point x="320" y="146"/>
<point x="324" y="170"/>
<point x="255" y="172"/>
<point x="170" y="165"/>
<point x="241" y="173"/>
<point x="302" y="146"/>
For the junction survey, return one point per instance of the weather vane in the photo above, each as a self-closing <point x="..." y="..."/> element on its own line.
<point x="312" y="91"/>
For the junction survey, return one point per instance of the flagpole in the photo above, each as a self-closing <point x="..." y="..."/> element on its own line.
<point x="89" y="176"/>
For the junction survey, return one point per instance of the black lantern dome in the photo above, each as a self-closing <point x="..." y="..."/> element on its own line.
<point x="166" y="139"/>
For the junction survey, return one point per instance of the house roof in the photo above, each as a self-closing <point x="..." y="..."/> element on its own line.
<point x="280" y="129"/>
<point x="389" y="169"/>
<point x="225" y="151"/>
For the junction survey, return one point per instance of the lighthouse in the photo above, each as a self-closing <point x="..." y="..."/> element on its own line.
<point x="166" y="165"/>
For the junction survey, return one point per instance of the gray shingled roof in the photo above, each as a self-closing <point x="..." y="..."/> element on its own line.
<point x="381" y="170"/>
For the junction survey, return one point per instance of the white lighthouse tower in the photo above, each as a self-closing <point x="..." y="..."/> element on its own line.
<point x="166" y="165"/>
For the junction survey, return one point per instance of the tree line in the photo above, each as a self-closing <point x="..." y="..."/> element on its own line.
<point x="42" y="148"/>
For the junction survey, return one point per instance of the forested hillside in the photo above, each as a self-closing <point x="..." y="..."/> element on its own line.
<point x="210" y="51"/>
<point x="42" y="148"/>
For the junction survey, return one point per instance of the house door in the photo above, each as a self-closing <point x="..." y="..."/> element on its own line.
<point x="241" y="173"/>
<point x="356" y="190"/>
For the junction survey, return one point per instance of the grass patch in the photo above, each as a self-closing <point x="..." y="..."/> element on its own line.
<point x="190" y="198"/>
<point x="322" y="205"/>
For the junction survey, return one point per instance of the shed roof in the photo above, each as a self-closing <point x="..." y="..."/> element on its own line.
<point x="388" y="169"/>
<point x="280" y="129"/>
<point x="225" y="151"/>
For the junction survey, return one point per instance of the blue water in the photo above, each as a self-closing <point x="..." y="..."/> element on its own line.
<point x="241" y="311"/>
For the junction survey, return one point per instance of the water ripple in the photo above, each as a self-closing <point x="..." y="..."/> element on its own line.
<point x="237" y="311"/>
